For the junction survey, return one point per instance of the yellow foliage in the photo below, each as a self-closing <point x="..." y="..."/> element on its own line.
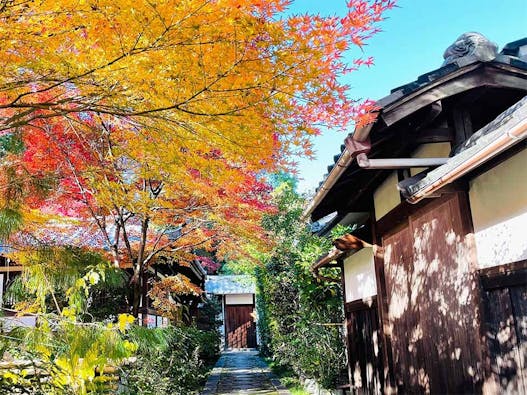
<point x="124" y="321"/>
<point x="159" y="119"/>
<point x="14" y="378"/>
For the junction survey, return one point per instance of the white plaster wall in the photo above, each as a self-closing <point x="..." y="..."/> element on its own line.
<point x="239" y="299"/>
<point x="222" y="319"/>
<point x="359" y="275"/>
<point x="386" y="196"/>
<point x="498" y="200"/>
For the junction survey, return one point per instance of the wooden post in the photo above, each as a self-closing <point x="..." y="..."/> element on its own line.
<point x="382" y="307"/>
<point x="345" y="330"/>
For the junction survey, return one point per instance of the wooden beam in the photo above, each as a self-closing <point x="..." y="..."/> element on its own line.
<point x="504" y="269"/>
<point x="462" y="80"/>
<point x="462" y="125"/>
<point x="11" y="269"/>
<point x="361" y="304"/>
<point x="398" y="215"/>
<point x="507" y="275"/>
<point x="435" y="135"/>
<point x="509" y="280"/>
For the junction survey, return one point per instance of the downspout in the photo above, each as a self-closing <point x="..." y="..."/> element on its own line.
<point x="505" y="141"/>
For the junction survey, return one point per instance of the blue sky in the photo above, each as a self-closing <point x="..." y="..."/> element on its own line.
<point x="412" y="42"/>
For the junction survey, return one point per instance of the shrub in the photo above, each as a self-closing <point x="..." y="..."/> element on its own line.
<point x="172" y="360"/>
<point x="299" y="315"/>
<point x="70" y="357"/>
<point x="62" y="356"/>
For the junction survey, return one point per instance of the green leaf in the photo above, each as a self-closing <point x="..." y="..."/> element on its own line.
<point x="11" y="143"/>
<point x="10" y="222"/>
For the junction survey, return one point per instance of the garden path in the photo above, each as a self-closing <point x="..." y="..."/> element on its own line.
<point x="242" y="372"/>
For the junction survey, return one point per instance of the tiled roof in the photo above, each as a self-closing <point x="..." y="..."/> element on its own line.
<point x="513" y="54"/>
<point x="232" y="284"/>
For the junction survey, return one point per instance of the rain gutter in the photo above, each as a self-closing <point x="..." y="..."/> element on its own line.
<point x="398" y="163"/>
<point x="356" y="143"/>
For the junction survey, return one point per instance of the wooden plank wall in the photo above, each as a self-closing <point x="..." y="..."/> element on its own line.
<point x="432" y="302"/>
<point x="364" y="347"/>
<point x="505" y="301"/>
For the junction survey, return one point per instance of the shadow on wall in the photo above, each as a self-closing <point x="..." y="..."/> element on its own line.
<point x="433" y="311"/>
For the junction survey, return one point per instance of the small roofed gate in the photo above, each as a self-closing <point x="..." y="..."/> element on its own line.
<point x="431" y="303"/>
<point x="240" y="326"/>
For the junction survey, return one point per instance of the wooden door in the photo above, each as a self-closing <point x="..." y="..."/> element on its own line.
<point x="505" y="300"/>
<point x="432" y="310"/>
<point x="240" y="326"/>
<point x="364" y="347"/>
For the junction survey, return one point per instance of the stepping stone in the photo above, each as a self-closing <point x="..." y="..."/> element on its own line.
<point x="242" y="373"/>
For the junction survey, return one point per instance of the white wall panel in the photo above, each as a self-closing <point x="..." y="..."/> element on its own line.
<point x="359" y="275"/>
<point x="498" y="201"/>
<point x="239" y="299"/>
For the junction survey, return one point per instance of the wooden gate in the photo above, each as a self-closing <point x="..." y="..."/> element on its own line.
<point x="431" y="301"/>
<point x="240" y="326"/>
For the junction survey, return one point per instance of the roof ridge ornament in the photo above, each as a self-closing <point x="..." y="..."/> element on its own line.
<point x="471" y="45"/>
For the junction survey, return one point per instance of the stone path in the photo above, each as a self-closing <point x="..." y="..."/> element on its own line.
<point x="242" y="372"/>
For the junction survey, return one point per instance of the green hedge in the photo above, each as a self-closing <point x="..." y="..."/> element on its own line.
<point x="299" y="316"/>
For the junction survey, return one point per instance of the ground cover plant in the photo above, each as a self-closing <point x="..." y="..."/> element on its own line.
<point x="287" y="377"/>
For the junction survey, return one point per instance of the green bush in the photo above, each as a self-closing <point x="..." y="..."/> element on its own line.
<point x="299" y="315"/>
<point x="81" y="344"/>
<point x="172" y="360"/>
<point x="62" y="356"/>
<point x="208" y="314"/>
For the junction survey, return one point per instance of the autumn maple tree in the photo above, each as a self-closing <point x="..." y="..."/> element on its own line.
<point x="145" y="129"/>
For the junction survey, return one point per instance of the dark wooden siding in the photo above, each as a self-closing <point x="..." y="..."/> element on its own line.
<point x="240" y="326"/>
<point x="505" y="301"/>
<point x="364" y="347"/>
<point x="432" y="308"/>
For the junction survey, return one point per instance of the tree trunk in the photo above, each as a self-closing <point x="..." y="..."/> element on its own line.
<point x="135" y="282"/>
<point x="138" y="269"/>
